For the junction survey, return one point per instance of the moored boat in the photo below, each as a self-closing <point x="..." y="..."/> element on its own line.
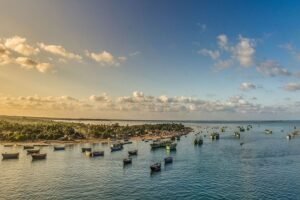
<point x="8" y="145"/>
<point x="160" y="144"/>
<point x="59" y="148"/>
<point x="97" y="153"/>
<point x="155" y="167"/>
<point x="28" y="147"/>
<point x="10" y="155"/>
<point x="215" y="136"/>
<point x="268" y="131"/>
<point x="116" y="147"/>
<point x="168" y="160"/>
<point x="289" y="136"/>
<point x="127" y="161"/>
<point x="38" y="156"/>
<point x="133" y="152"/>
<point x="31" y="151"/>
<point x="198" y="141"/>
<point x="237" y="134"/>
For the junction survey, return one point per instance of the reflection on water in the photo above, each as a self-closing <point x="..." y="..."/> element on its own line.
<point x="265" y="167"/>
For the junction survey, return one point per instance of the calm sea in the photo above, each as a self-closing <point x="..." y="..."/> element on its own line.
<point x="265" y="167"/>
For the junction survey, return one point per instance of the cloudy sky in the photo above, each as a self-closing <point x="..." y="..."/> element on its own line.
<point x="136" y="59"/>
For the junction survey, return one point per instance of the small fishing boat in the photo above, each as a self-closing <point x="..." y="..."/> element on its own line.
<point x="267" y="131"/>
<point x="32" y="151"/>
<point x="116" y="147"/>
<point x="28" y="147"/>
<point x="10" y="155"/>
<point x="289" y="136"/>
<point x="59" y="148"/>
<point x="127" y="161"/>
<point x="133" y="152"/>
<point x="38" y="156"/>
<point x="155" y="167"/>
<point x="160" y="144"/>
<point x="97" y="153"/>
<point x="168" y="160"/>
<point x="85" y="149"/>
<point x="215" y="136"/>
<point x="237" y="134"/>
<point x="8" y="145"/>
<point x="242" y="143"/>
<point x="198" y="141"/>
<point x="242" y="129"/>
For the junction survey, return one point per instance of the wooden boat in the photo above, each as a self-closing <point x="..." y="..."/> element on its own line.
<point x="171" y="147"/>
<point x="160" y="144"/>
<point x="32" y="151"/>
<point x="242" y="129"/>
<point x="127" y="161"/>
<point x="127" y="142"/>
<point x="237" y="134"/>
<point x="59" y="148"/>
<point x="84" y="149"/>
<point x="116" y="147"/>
<point x="10" y="155"/>
<point x="155" y="167"/>
<point x="267" y="131"/>
<point x="198" y="141"/>
<point x="38" y="156"/>
<point x="215" y="136"/>
<point x="133" y="152"/>
<point x="168" y="160"/>
<point x="28" y="147"/>
<point x="8" y="145"/>
<point x="97" y="153"/>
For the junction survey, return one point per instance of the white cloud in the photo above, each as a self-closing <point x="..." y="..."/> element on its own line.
<point x="213" y="54"/>
<point x="19" y="44"/>
<point x="247" y="86"/>
<point x="272" y="68"/>
<point x="5" y="55"/>
<point x="244" y="51"/>
<point x="105" y="58"/>
<point x="60" y="51"/>
<point x="223" y="41"/>
<point x="28" y="63"/>
<point x="292" y="87"/>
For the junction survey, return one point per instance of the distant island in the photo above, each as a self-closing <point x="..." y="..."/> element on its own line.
<point x="27" y="129"/>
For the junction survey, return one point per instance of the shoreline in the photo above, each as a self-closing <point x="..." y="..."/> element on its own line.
<point x="91" y="140"/>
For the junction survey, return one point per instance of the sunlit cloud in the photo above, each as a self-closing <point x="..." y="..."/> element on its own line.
<point x="20" y="45"/>
<point x="106" y="58"/>
<point x="60" y="51"/>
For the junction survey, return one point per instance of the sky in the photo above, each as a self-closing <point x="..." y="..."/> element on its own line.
<point x="142" y="59"/>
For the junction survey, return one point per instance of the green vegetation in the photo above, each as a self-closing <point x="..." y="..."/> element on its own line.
<point x="31" y="129"/>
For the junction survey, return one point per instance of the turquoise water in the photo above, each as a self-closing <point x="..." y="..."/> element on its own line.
<point x="265" y="167"/>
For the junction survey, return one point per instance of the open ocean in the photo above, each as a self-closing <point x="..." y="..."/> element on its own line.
<point x="265" y="167"/>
